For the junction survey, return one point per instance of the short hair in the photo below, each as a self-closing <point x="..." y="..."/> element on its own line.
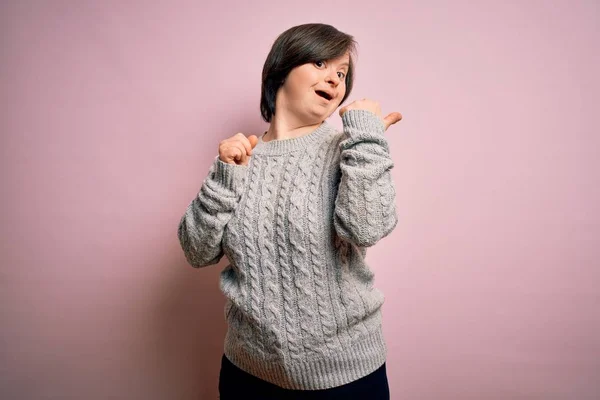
<point x="306" y="43"/>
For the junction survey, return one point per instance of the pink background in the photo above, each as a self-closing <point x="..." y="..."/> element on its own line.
<point x="111" y="115"/>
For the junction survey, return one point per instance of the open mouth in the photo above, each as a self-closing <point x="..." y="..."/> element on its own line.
<point x="323" y="94"/>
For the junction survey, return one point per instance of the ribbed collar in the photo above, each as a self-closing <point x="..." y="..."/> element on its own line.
<point x="284" y="146"/>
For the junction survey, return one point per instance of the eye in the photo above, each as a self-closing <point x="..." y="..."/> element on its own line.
<point x="320" y="63"/>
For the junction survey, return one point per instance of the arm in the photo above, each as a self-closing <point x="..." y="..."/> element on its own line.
<point x="201" y="228"/>
<point x="365" y="208"/>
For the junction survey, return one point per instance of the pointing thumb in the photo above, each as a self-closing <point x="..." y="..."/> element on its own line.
<point x="253" y="140"/>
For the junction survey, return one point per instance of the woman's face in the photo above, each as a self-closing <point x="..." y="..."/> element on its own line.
<point x="306" y="88"/>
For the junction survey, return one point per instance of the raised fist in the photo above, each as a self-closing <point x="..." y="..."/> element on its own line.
<point x="237" y="149"/>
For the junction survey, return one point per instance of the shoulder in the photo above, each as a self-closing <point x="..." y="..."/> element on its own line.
<point x="334" y="135"/>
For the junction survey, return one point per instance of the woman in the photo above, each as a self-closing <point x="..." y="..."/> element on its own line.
<point x="294" y="212"/>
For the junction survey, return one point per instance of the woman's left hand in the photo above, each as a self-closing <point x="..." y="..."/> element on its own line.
<point x="373" y="106"/>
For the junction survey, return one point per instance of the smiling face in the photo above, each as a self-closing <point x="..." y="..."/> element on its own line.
<point x="313" y="91"/>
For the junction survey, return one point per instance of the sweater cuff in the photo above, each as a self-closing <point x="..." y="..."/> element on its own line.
<point x="231" y="176"/>
<point x="362" y="121"/>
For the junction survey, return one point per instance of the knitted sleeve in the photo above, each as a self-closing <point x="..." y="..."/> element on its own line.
<point x="365" y="208"/>
<point x="201" y="228"/>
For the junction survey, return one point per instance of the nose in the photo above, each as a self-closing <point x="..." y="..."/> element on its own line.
<point x="333" y="78"/>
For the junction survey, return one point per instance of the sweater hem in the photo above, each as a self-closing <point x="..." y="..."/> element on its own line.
<point x="353" y="362"/>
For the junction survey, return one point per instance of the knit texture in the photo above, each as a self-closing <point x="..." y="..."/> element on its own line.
<point x="295" y="225"/>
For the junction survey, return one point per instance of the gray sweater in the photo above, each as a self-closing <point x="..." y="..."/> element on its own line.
<point x="295" y="224"/>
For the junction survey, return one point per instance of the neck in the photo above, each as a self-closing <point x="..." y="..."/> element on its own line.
<point x="285" y="146"/>
<point x="282" y="128"/>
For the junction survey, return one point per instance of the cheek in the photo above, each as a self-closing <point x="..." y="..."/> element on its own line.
<point x="342" y="94"/>
<point x="293" y="91"/>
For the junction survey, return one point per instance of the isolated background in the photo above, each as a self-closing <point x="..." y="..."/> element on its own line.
<point x="111" y="115"/>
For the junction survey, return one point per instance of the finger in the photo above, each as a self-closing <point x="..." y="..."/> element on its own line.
<point x="245" y="142"/>
<point x="391" y="119"/>
<point x="231" y="154"/>
<point x="243" y="154"/>
<point x="236" y="152"/>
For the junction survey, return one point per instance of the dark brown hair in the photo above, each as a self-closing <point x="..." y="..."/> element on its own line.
<point x="299" y="45"/>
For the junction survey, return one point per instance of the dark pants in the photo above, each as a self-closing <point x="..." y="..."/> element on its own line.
<point x="235" y="384"/>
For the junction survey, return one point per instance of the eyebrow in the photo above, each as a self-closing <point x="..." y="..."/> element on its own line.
<point x="344" y="64"/>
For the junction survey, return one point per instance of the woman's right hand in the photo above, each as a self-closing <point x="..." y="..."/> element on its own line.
<point x="237" y="149"/>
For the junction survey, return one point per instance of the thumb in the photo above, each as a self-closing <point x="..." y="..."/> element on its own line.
<point x="253" y="140"/>
<point x="391" y="119"/>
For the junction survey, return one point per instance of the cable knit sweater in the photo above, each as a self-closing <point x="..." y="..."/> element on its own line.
<point x="295" y="224"/>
